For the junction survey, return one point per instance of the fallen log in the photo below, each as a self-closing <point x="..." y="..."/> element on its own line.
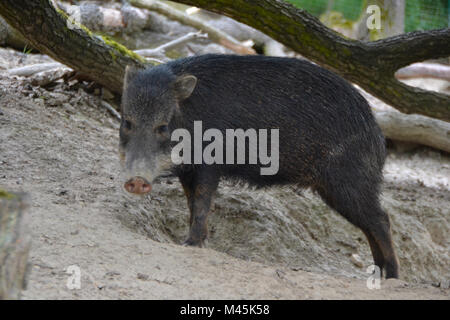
<point x="130" y="19"/>
<point x="414" y="128"/>
<point x="97" y="18"/>
<point x="424" y="70"/>
<point x="14" y="245"/>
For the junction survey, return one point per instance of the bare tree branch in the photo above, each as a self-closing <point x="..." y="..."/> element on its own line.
<point x="214" y="34"/>
<point x="49" y="31"/>
<point x="369" y="64"/>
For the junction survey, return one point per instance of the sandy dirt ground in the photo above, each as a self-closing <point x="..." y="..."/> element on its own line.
<point x="60" y="146"/>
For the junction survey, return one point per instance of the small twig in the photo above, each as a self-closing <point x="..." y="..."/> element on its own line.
<point x="29" y="70"/>
<point x="214" y="34"/>
<point x="171" y="44"/>
<point x="113" y="111"/>
<point x="158" y="61"/>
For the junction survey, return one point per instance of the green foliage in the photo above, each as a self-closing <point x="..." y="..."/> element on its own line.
<point x="419" y="14"/>
<point x="351" y="9"/>
<point x="426" y="14"/>
<point x="316" y="8"/>
<point x="27" y="50"/>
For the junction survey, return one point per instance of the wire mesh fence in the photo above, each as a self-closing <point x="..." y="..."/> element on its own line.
<point x="419" y="14"/>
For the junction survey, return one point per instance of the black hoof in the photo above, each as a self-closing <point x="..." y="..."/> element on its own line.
<point x="194" y="243"/>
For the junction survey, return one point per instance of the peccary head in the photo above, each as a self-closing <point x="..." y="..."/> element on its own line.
<point x="150" y="105"/>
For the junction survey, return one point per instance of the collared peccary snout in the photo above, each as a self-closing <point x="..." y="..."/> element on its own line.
<point x="328" y="138"/>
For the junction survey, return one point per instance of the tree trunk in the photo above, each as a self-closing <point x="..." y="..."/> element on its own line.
<point x="11" y="38"/>
<point x="371" y="65"/>
<point x="14" y="245"/>
<point x="395" y="20"/>
<point x="49" y="31"/>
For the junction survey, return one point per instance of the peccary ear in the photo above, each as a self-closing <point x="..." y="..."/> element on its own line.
<point x="130" y="73"/>
<point x="184" y="86"/>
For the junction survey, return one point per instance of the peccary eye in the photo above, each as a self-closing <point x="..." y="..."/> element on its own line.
<point x="162" y="129"/>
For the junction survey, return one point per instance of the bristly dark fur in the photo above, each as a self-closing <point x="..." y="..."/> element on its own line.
<point x="329" y="139"/>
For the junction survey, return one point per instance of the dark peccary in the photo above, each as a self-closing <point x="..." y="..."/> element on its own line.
<point x="328" y="138"/>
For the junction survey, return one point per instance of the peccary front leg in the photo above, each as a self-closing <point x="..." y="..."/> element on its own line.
<point x="199" y="187"/>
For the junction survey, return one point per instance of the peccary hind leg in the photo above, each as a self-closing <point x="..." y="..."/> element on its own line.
<point x="361" y="207"/>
